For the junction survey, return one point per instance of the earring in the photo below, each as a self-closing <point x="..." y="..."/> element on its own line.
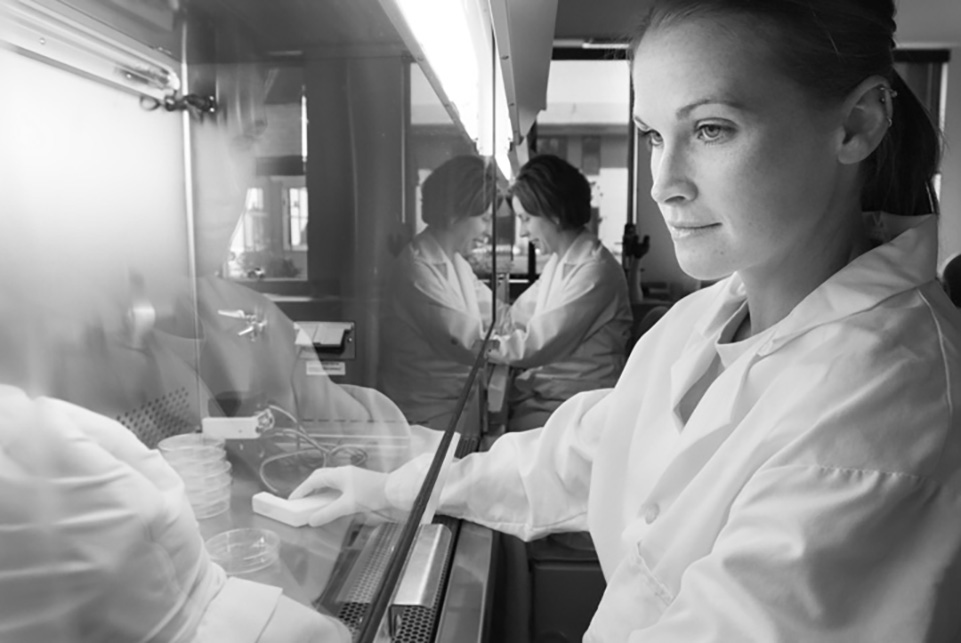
<point x="887" y="92"/>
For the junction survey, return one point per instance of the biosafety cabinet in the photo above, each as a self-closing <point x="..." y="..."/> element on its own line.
<point x="203" y="204"/>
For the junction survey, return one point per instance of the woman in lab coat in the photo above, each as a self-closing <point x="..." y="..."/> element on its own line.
<point x="568" y="332"/>
<point x="781" y="457"/>
<point x="438" y="311"/>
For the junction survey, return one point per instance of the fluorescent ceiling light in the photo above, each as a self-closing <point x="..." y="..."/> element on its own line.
<point x="67" y="39"/>
<point x="452" y="42"/>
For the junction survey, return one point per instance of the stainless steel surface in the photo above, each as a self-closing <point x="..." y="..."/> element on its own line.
<point x="307" y="554"/>
<point x="462" y="613"/>
<point x="423" y="574"/>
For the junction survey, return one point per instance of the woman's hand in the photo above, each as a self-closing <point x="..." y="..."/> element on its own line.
<point x="361" y="491"/>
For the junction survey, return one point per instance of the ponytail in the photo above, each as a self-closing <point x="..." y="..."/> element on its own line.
<point x="899" y="176"/>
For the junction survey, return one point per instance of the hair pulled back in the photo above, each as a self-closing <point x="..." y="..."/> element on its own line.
<point x="550" y="187"/>
<point x="464" y="186"/>
<point x="829" y="47"/>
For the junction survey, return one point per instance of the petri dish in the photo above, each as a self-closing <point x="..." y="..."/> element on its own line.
<point x="199" y="468"/>
<point x="242" y="551"/>
<point x="202" y="472"/>
<point x="212" y="509"/>
<point x="189" y="442"/>
<point x="209" y="494"/>
<point x="194" y="454"/>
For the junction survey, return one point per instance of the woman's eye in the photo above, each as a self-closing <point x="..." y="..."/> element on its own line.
<point x="711" y="132"/>
<point x="651" y="138"/>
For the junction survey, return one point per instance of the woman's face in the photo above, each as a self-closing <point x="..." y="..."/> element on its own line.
<point x="470" y="229"/>
<point x="539" y="230"/>
<point x="744" y="166"/>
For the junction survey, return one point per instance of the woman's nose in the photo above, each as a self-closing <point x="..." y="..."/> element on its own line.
<point x="671" y="175"/>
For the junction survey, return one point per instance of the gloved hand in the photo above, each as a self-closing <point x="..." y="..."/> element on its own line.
<point x="361" y="491"/>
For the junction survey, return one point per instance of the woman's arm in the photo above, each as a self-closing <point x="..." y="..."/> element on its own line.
<point x="529" y="484"/>
<point x="588" y="301"/>
<point x="433" y="307"/>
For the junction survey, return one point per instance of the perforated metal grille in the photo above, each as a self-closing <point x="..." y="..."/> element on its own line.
<point x="160" y="418"/>
<point x="367" y="581"/>
<point x="414" y="624"/>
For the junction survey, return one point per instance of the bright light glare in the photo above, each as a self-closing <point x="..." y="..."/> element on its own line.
<point x="442" y="30"/>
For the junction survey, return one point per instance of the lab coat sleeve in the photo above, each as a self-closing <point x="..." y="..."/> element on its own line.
<point x="245" y="611"/>
<point x="450" y="330"/>
<point x="586" y="302"/>
<point x="528" y="484"/>
<point x="814" y="553"/>
<point x="100" y="543"/>
<point x="488" y="304"/>
<point x="523" y="308"/>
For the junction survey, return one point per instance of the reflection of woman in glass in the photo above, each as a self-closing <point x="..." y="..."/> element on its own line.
<point x="438" y="310"/>
<point x="570" y="329"/>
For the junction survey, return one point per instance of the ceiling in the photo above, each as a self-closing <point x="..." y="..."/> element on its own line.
<point x="288" y="25"/>
<point x="597" y="19"/>
<point x="306" y="24"/>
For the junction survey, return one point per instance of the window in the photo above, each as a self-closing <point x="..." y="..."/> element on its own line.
<point x="296" y="215"/>
<point x="255" y="199"/>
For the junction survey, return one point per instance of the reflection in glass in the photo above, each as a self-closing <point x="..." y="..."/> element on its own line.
<point x="169" y="269"/>
<point x="438" y="310"/>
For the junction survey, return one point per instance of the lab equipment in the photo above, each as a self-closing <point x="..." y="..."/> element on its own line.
<point x="201" y="462"/>
<point x="243" y="551"/>
<point x="291" y="512"/>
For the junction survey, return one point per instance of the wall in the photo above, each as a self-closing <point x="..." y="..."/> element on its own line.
<point x="937" y="23"/>
<point x="95" y="191"/>
<point x="92" y="197"/>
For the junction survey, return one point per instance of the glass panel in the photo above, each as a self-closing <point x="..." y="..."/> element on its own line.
<point x="343" y="203"/>
<point x="293" y="272"/>
<point x="587" y="123"/>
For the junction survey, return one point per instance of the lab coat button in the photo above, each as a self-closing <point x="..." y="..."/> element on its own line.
<point x="651" y="512"/>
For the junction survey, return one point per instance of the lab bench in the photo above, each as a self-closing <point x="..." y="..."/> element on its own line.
<point x="444" y="596"/>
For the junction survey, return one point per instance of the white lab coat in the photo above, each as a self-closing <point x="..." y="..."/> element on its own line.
<point x="99" y="543"/>
<point x="570" y="333"/>
<point x="814" y="494"/>
<point x="437" y="311"/>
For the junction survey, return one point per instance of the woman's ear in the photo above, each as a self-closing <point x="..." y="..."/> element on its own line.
<point x="868" y="113"/>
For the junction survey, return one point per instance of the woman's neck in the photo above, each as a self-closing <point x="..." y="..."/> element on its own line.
<point x="774" y="291"/>
<point x="447" y="241"/>
<point x="565" y="239"/>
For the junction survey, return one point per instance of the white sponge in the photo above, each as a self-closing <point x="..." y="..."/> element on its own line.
<point x="291" y="512"/>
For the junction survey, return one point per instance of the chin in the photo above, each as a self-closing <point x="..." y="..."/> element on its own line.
<point x="703" y="270"/>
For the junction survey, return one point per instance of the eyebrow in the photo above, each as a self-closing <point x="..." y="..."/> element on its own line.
<point x="682" y="112"/>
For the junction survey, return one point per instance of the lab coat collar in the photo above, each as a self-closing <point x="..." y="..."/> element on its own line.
<point x="580" y="251"/>
<point x="906" y="259"/>
<point x="558" y="268"/>
<point x="428" y="249"/>
<point x="457" y="271"/>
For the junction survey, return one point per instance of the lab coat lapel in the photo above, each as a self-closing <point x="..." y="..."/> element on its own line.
<point x="699" y="353"/>
<point x="706" y="430"/>
<point x="548" y="278"/>
<point x="576" y="255"/>
<point x="467" y="284"/>
<point x="457" y="274"/>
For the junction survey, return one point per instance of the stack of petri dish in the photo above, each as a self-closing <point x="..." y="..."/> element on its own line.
<point x="202" y="463"/>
